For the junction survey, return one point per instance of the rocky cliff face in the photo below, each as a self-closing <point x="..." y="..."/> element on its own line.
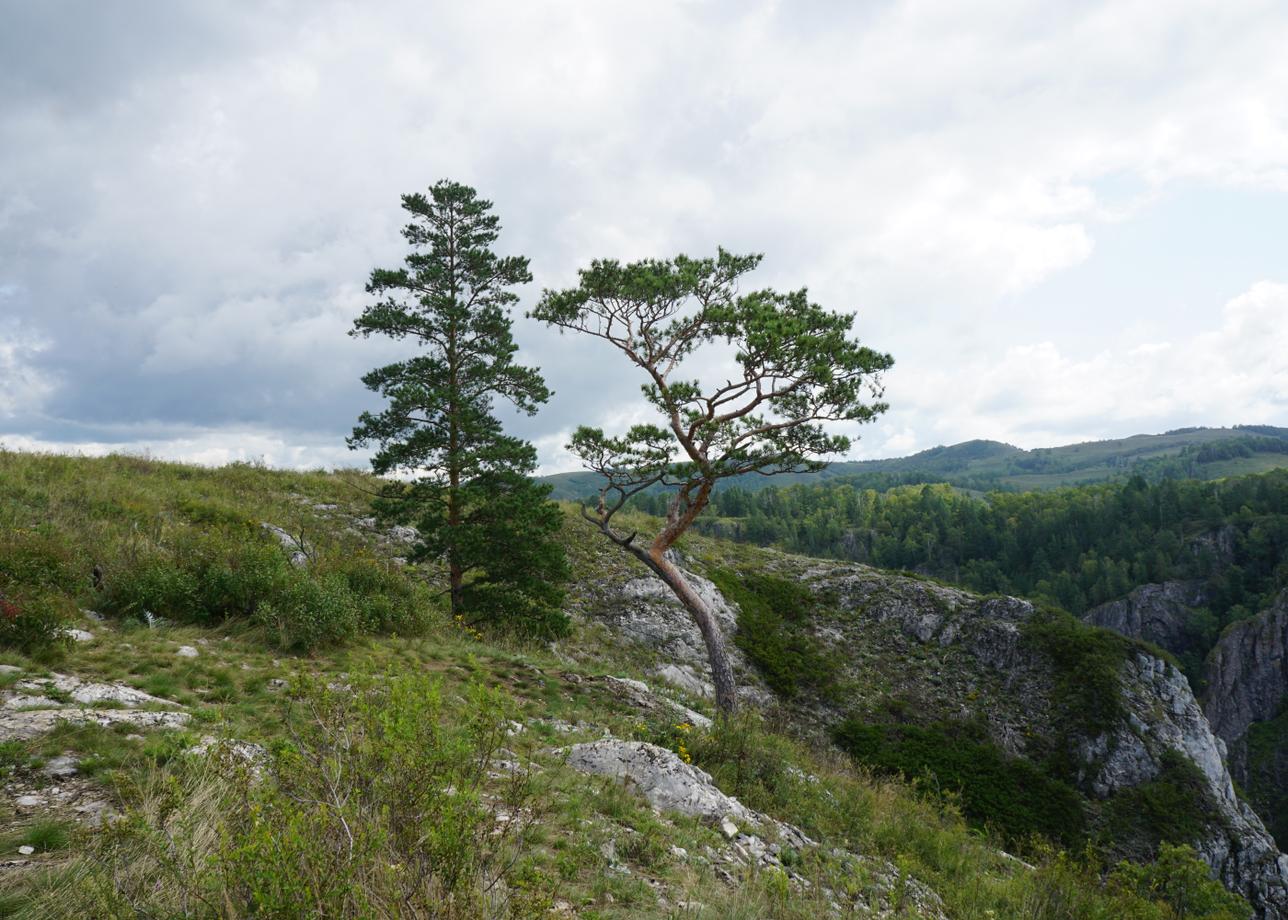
<point x="1247" y="672"/>
<point x="1159" y="613"/>
<point x="947" y="654"/>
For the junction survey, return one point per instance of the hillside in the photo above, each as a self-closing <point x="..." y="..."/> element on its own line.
<point x="262" y="710"/>
<point x="1198" y="453"/>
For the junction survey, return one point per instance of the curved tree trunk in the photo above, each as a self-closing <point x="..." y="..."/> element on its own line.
<point x="721" y="670"/>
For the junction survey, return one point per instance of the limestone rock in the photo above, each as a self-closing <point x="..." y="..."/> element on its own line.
<point x="1158" y="613"/>
<point x="1247" y="671"/>
<point x="299" y="550"/>
<point x="187" y="651"/>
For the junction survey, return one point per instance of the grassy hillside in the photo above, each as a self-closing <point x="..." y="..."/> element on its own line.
<point x="1199" y="453"/>
<point x="410" y="765"/>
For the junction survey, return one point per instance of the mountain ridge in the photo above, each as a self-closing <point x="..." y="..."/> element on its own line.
<point x="983" y="464"/>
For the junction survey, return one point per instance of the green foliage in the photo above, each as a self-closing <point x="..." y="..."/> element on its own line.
<point x="471" y="497"/>
<point x="35" y="624"/>
<point x="39" y="559"/>
<point x="1074" y="548"/>
<point x="374" y="805"/>
<point x="197" y="576"/>
<point x="1087" y="664"/>
<point x="1010" y="795"/>
<point x="311" y="611"/>
<point x="1179" y="885"/>
<point x="1173" y="808"/>
<point x="772" y="613"/>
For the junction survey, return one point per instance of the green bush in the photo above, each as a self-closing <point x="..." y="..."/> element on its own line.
<point x="389" y="601"/>
<point x="203" y="576"/>
<point x="35" y="624"/>
<point x="1174" y="807"/>
<point x="772" y="612"/>
<point x="308" y="611"/>
<point x="1088" y="663"/>
<point x="38" y="559"/>
<point x="1179" y="886"/>
<point x="1010" y="795"/>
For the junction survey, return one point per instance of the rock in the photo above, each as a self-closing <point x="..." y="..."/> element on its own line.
<point x="299" y="550"/>
<point x="1247" y="671"/>
<point x="10" y="669"/>
<point x="728" y="828"/>
<point x="22" y="726"/>
<point x="249" y="753"/>
<point x="187" y="651"/>
<point x="670" y="784"/>
<point x="682" y="677"/>
<point x="78" y="635"/>
<point x="276" y="684"/>
<point x="61" y="767"/>
<point x="94" y="615"/>
<point x="29" y="801"/>
<point x="645" y="610"/>
<point x="401" y="533"/>
<point x="90" y="692"/>
<point x="638" y="694"/>
<point x="1160" y="613"/>
<point x="25" y="850"/>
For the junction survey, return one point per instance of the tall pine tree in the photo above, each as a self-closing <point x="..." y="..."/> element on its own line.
<point x="470" y="491"/>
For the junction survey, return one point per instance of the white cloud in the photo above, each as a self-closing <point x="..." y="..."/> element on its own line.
<point x="1035" y="395"/>
<point x="188" y="208"/>
<point x="23" y="388"/>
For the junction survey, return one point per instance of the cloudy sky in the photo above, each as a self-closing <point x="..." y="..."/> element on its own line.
<point x="1066" y="221"/>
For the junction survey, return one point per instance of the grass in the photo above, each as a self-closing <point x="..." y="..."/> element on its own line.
<point x="189" y="842"/>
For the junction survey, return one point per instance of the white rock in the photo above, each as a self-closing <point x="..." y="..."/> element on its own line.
<point x="683" y="678"/>
<point x="9" y="669"/>
<point x="661" y="777"/>
<point x="90" y="692"/>
<point x="29" y="801"/>
<point x="187" y="651"/>
<point x="79" y="635"/>
<point x="61" y="767"/>
<point x="26" y="724"/>
<point x="25" y="850"/>
<point x="728" y="828"/>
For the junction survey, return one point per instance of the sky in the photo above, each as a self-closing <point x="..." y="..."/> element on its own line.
<point x="1066" y="221"/>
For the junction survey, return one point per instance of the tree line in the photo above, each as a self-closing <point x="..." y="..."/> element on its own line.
<point x="1073" y="547"/>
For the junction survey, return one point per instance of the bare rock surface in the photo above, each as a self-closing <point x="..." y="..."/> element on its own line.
<point x="35" y="706"/>
<point x="1247" y="671"/>
<point x="1158" y="613"/>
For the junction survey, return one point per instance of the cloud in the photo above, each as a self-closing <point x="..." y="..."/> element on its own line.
<point x="191" y="198"/>
<point x="1034" y="394"/>
<point x="23" y="389"/>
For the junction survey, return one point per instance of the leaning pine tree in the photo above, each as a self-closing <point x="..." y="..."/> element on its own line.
<point x="470" y="492"/>
<point x="797" y="369"/>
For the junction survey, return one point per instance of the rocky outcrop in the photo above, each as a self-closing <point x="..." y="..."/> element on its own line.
<point x="945" y="654"/>
<point x="35" y="706"/>
<point x="1158" y="613"/>
<point x="1247" y="672"/>
<point x="670" y="784"/>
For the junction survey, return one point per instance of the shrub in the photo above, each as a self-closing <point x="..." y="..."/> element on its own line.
<point x="309" y="611"/>
<point x="1174" y="807"/>
<point x="201" y="576"/>
<point x="35" y="624"/>
<point x="1088" y="663"/>
<point x="388" y="601"/>
<point x="772" y="612"/>
<point x="1180" y="885"/>
<point x="1011" y="795"/>
<point x="39" y="560"/>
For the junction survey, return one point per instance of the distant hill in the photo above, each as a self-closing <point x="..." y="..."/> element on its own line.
<point x="1185" y="453"/>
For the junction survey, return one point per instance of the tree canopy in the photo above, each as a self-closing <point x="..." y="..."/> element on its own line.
<point x="469" y="489"/>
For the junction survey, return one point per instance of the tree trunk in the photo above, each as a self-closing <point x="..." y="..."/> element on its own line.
<point x="721" y="670"/>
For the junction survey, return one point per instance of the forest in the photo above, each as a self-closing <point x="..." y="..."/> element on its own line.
<point x="1073" y="547"/>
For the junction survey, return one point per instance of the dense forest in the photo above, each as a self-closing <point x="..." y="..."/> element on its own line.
<point x="1073" y="547"/>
